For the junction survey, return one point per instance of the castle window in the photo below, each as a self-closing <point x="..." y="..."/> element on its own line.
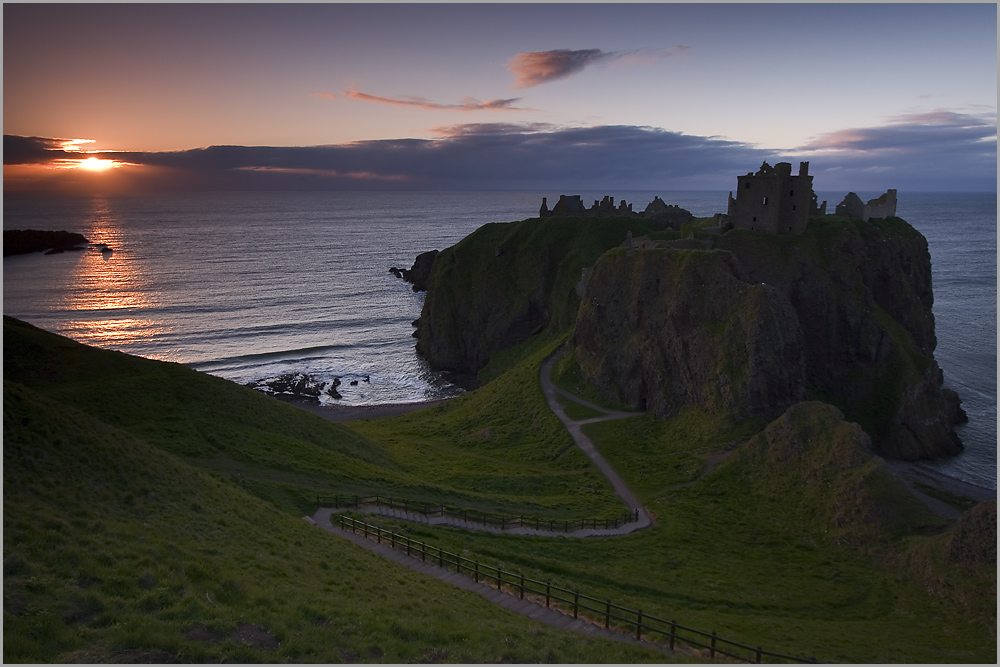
<point x="791" y="193"/>
<point x="765" y="201"/>
<point x="746" y="187"/>
<point x="793" y="207"/>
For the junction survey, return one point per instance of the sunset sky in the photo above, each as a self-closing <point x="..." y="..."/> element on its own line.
<point x="502" y="96"/>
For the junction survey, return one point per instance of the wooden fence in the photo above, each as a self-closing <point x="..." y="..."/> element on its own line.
<point x="499" y="521"/>
<point x="612" y="616"/>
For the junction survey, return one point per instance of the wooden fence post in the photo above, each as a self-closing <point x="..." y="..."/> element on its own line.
<point x="548" y="590"/>
<point x="638" y="626"/>
<point x="673" y="633"/>
<point x="711" y="651"/>
<point x="522" y="586"/>
<point x="607" y="615"/>
<point x="440" y="557"/>
<point x="477" y="571"/>
<point x="758" y="654"/>
<point x="576" y="604"/>
<point x="500" y="578"/>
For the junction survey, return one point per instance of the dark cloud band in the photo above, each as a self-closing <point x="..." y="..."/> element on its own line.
<point x="950" y="153"/>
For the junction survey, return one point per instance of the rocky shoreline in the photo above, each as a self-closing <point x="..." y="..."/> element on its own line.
<point x="25" y="241"/>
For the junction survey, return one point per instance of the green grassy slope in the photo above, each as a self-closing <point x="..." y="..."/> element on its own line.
<point x="287" y="455"/>
<point x="503" y="441"/>
<point x="804" y="545"/>
<point x="117" y="550"/>
<point x="749" y="547"/>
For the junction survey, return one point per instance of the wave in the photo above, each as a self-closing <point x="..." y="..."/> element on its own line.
<point x="261" y="358"/>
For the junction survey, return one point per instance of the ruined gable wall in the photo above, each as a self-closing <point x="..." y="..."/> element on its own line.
<point x="883" y="207"/>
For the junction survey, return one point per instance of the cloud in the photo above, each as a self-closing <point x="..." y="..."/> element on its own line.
<point x="467" y="104"/>
<point x="538" y="67"/>
<point x="467" y="129"/>
<point x="936" y="150"/>
<point x="940" y="150"/>
<point x="473" y="156"/>
<point x="33" y="150"/>
<point x="648" y="56"/>
<point x="911" y="132"/>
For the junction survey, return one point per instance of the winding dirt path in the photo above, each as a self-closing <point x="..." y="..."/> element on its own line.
<point x="324" y="515"/>
<point x="575" y="429"/>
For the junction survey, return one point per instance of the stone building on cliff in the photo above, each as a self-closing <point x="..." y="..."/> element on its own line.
<point x="572" y="205"/>
<point x="773" y="200"/>
<point x="882" y="207"/>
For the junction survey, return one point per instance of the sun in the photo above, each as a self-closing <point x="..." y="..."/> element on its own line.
<point x="96" y="164"/>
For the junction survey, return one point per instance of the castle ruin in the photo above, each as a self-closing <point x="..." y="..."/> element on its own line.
<point x="883" y="207"/>
<point x="773" y="201"/>
<point x="572" y="205"/>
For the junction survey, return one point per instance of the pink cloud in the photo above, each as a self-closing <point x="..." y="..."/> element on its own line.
<point x="534" y="68"/>
<point x="467" y="104"/>
<point x="480" y="129"/>
<point x="537" y="67"/>
<point x="908" y="131"/>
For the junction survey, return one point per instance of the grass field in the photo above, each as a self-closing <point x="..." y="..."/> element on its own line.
<point x="119" y="549"/>
<point x="151" y="511"/>
<point x="763" y="551"/>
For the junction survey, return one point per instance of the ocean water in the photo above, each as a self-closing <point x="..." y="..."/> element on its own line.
<point x="250" y="286"/>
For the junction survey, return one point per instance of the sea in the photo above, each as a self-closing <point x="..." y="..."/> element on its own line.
<point x="254" y="286"/>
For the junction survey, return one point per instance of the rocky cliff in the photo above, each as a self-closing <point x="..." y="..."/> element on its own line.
<point x="669" y="328"/>
<point x="507" y="281"/>
<point x="747" y="326"/>
<point x="23" y="241"/>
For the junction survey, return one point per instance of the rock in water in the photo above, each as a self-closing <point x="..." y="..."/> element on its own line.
<point x="23" y="241"/>
<point x="420" y="272"/>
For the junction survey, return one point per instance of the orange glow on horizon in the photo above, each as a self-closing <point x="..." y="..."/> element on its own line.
<point x="96" y="164"/>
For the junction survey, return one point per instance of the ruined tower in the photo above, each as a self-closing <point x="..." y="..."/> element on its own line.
<point x="772" y="200"/>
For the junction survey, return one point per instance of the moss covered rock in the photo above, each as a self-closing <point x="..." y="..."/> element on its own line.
<point x="674" y="328"/>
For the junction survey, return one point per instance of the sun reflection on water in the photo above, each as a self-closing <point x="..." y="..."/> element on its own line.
<point x="110" y="292"/>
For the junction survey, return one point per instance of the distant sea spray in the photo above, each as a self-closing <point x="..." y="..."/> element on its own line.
<point x="249" y="286"/>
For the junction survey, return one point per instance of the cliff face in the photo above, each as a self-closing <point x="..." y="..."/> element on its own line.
<point x="858" y="296"/>
<point x="507" y="281"/>
<point x="669" y="328"/>
<point x="841" y="313"/>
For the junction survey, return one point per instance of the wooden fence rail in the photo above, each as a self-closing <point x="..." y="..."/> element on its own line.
<point x="503" y="522"/>
<point x="622" y="619"/>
